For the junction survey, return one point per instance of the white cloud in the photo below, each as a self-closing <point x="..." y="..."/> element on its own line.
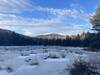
<point x="38" y="26"/>
<point x="8" y="27"/>
<point x="14" y="6"/>
<point x="9" y="19"/>
<point x="28" y="32"/>
<point x="13" y="20"/>
<point x="66" y="29"/>
<point x="74" y="13"/>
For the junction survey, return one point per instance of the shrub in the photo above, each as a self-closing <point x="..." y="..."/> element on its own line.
<point x="1" y="68"/>
<point x="32" y="61"/>
<point x="9" y="69"/>
<point x="63" y="55"/>
<point x="83" y="68"/>
<point x="53" y="55"/>
<point x="45" y="51"/>
<point x="24" y="54"/>
<point x="32" y="52"/>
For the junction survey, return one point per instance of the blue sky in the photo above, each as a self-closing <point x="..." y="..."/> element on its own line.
<point x="36" y="17"/>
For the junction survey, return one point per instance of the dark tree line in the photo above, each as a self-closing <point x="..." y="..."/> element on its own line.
<point x="83" y="40"/>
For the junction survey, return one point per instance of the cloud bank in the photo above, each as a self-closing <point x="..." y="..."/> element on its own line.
<point x="9" y="18"/>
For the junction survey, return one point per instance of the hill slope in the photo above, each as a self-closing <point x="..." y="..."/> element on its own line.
<point x="8" y="37"/>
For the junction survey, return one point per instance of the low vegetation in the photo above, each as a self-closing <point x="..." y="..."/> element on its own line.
<point x="32" y="61"/>
<point x="84" y="68"/>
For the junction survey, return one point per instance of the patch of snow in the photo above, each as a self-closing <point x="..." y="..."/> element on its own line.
<point x="41" y="60"/>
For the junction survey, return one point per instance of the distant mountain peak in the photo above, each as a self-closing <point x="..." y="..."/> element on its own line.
<point x="51" y="36"/>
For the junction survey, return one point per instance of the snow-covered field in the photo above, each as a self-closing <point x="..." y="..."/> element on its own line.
<point x="41" y="60"/>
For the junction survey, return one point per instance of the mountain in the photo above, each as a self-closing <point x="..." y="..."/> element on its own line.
<point x="8" y="37"/>
<point x="11" y="38"/>
<point x="51" y="36"/>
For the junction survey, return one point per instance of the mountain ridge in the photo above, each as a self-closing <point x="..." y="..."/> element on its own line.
<point x="51" y="36"/>
<point x="11" y="38"/>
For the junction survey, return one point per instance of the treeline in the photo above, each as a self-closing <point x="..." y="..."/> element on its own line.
<point x="94" y="40"/>
<point x="9" y="38"/>
<point x="91" y="40"/>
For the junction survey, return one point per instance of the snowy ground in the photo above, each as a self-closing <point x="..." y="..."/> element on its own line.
<point x="40" y="60"/>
